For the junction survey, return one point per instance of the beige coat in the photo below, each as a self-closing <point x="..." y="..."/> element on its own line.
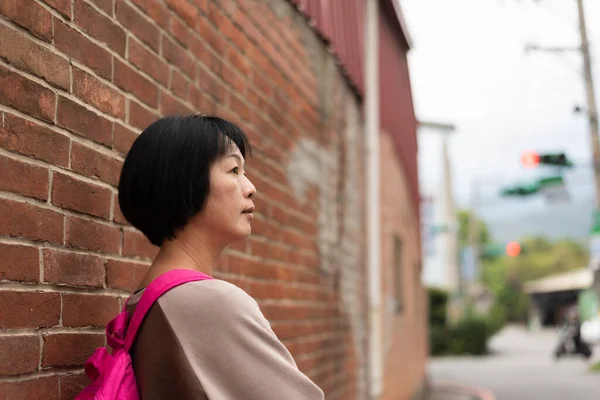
<point x="209" y="340"/>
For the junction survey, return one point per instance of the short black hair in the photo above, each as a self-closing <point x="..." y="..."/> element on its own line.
<point x="165" y="178"/>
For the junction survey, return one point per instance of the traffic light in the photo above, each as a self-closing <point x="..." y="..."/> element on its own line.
<point x="513" y="249"/>
<point x="557" y="160"/>
<point x="532" y="159"/>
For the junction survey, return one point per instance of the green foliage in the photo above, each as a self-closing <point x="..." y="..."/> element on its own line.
<point x="595" y="367"/>
<point x="468" y="336"/>
<point x="438" y="299"/>
<point x="464" y="220"/>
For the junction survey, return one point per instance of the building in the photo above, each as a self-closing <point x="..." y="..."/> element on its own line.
<point x="552" y="296"/>
<point x="80" y="79"/>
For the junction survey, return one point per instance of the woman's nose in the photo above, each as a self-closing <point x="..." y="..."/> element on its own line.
<point x="249" y="189"/>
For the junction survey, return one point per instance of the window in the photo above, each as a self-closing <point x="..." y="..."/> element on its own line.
<point x="398" y="272"/>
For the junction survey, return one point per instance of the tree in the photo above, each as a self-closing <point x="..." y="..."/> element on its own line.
<point x="464" y="223"/>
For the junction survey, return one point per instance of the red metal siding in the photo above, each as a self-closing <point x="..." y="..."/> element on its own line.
<point x="395" y="99"/>
<point x="341" y="24"/>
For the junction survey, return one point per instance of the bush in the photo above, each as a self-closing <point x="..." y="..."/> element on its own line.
<point x="438" y="340"/>
<point x="470" y="336"/>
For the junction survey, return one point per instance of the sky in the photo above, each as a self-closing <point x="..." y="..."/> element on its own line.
<point x="469" y="67"/>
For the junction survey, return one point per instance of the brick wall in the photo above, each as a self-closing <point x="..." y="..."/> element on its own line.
<point x="405" y="309"/>
<point x="79" y="79"/>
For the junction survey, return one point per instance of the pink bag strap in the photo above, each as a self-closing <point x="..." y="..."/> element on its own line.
<point x="157" y="288"/>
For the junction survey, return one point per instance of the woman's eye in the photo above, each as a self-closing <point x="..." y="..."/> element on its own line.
<point x="236" y="170"/>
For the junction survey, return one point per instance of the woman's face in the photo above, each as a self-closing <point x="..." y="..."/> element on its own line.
<point x="228" y="212"/>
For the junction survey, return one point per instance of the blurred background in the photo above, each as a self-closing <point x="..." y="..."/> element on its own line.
<point x="508" y="190"/>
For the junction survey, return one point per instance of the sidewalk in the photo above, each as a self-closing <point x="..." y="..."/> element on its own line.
<point x="459" y="392"/>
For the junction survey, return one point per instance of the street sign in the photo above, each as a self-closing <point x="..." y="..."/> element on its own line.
<point x="594" y="242"/>
<point x="469" y="265"/>
<point x="556" y="195"/>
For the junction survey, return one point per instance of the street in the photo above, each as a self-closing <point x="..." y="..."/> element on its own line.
<point x="521" y="368"/>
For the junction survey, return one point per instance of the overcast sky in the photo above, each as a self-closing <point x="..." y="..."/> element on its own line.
<point x="468" y="67"/>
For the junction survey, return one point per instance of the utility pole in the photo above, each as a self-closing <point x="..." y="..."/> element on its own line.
<point x="594" y="140"/>
<point x="591" y="98"/>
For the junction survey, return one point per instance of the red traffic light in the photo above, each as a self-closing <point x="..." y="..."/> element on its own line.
<point x="513" y="249"/>
<point x="530" y="159"/>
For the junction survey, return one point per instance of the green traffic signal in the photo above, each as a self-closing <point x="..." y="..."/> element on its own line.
<point x="556" y="159"/>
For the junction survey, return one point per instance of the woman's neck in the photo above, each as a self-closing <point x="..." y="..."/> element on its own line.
<point x="183" y="252"/>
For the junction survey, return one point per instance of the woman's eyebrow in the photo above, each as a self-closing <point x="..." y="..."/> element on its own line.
<point x="235" y="155"/>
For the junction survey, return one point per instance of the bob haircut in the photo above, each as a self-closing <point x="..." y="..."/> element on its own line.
<point x="165" y="179"/>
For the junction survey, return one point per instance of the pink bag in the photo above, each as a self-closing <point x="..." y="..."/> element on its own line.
<point x="112" y="374"/>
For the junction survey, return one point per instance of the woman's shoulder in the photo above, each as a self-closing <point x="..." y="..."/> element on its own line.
<point x="209" y="297"/>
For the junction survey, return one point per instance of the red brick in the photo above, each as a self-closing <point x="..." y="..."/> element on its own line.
<point x="26" y="55"/>
<point x="44" y="388"/>
<point x="72" y="385"/>
<point x="148" y="62"/>
<point x="211" y="36"/>
<point x="19" y="263"/>
<point x="155" y="10"/>
<point x="118" y="216"/>
<point x="135" y="244"/>
<point x="62" y="6"/>
<point x="211" y="85"/>
<point x="80" y="48"/>
<point x="23" y="178"/>
<point x="31" y="222"/>
<point x="180" y="85"/>
<point x="130" y="80"/>
<point x="239" y="61"/>
<point x="201" y="102"/>
<point x="19" y="354"/>
<point x="74" y="194"/>
<point x="140" y="117"/>
<point x="100" y="95"/>
<point x="124" y="138"/>
<point x="138" y="25"/>
<point x="124" y="275"/>
<point x="70" y="349"/>
<point x="185" y="10"/>
<point x="83" y="121"/>
<point x="95" y="164"/>
<point x="99" y="27"/>
<point x="91" y="235"/>
<point x="104" y="5"/>
<point x="170" y="105"/>
<point x="178" y="56"/>
<point x="88" y="310"/>
<point x="207" y="58"/>
<point x="33" y="140"/>
<point x="30" y="15"/>
<point x="240" y="108"/>
<point x="180" y="32"/>
<point x="26" y="95"/>
<point x="67" y="268"/>
<point x="229" y="76"/>
<point x="28" y="309"/>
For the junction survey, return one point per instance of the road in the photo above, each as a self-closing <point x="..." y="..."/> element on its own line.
<point x="521" y="368"/>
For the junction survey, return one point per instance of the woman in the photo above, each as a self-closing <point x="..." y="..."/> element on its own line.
<point x="183" y="185"/>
